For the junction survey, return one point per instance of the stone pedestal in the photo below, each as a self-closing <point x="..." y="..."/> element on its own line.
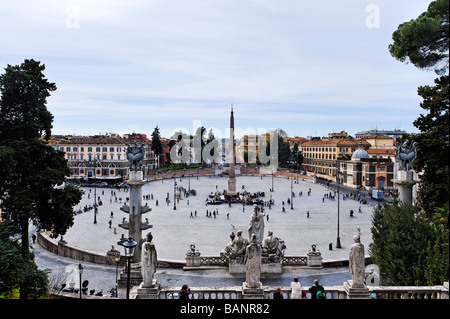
<point x="135" y="279"/>
<point x="444" y="294"/>
<point x="405" y="183"/>
<point x="266" y="268"/>
<point x="356" y="292"/>
<point x="135" y="182"/>
<point x="231" y="184"/>
<point x="193" y="261"/>
<point x="151" y="292"/>
<point x="314" y="259"/>
<point x="251" y="292"/>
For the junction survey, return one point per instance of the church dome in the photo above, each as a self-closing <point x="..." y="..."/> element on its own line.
<point x="360" y="152"/>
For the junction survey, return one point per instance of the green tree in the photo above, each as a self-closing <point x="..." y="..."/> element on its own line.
<point x="17" y="270"/>
<point x="284" y="151"/>
<point x="400" y="244"/>
<point x="432" y="158"/>
<point x="424" y="41"/>
<point x="32" y="189"/>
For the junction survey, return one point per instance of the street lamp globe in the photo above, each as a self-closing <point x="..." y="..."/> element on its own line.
<point x="80" y="269"/>
<point x="129" y="247"/>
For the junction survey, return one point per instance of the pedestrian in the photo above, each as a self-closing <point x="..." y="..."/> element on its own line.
<point x="110" y="222"/>
<point x="296" y="289"/>
<point x="317" y="291"/>
<point x="228" y="215"/>
<point x="33" y="237"/>
<point x="112" y="215"/>
<point x="277" y="294"/>
<point x="185" y="292"/>
<point x="307" y="214"/>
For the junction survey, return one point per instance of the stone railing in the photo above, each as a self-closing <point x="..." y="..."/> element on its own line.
<point x="221" y="261"/>
<point x="410" y="292"/>
<point x="331" y="292"/>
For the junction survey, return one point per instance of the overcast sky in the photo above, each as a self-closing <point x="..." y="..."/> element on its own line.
<point x="308" y="67"/>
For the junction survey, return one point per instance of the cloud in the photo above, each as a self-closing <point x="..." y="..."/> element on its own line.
<point x="162" y="62"/>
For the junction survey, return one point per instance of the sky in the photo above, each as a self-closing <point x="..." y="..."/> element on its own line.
<point x="307" y="67"/>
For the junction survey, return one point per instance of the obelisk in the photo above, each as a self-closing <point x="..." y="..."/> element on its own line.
<point x="231" y="178"/>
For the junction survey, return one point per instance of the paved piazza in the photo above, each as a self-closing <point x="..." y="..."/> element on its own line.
<point x="173" y="230"/>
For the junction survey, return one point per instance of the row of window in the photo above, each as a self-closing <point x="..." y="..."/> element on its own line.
<point x="104" y="172"/>
<point x="320" y="156"/>
<point x="328" y="149"/>
<point x="91" y="157"/>
<point x="89" y="149"/>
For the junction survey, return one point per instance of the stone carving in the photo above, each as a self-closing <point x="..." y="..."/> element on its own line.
<point x="148" y="262"/>
<point x="239" y="244"/>
<point x="273" y="249"/>
<point x="314" y="250"/>
<point x="356" y="261"/>
<point x="192" y="252"/>
<point x="135" y="155"/>
<point x="253" y="263"/>
<point x="257" y="224"/>
<point x="406" y="153"/>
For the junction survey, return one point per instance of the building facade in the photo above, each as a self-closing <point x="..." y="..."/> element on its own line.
<point x="355" y="162"/>
<point x="102" y="157"/>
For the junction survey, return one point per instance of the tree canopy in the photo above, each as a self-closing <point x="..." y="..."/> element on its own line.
<point x="410" y="243"/>
<point x="32" y="172"/>
<point x="424" y="41"/>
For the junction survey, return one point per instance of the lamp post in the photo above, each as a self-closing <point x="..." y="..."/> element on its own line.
<point x="129" y="247"/>
<point x="292" y="192"/>
<point x="80" y="271"/>
<point x="272" y="182"/>
<point x="174" y="193"/>
<point x="338" y="178"/>
<point x="94" y="163"/>
<point x="189" y="167"/>
<point x="117" y="259"/>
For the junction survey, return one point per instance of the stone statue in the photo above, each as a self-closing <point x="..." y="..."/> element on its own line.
<point x="356" y="261"/>
<point x="406" y="153"/>
<point x="253" y="263"/>
<point x="148" y="261"/>
<point x="193" y="252"/>
<point x="226" y="252"/>
<point x="273" y="248"/>
<point x="135" y="155"/>
<point x="238" y="246"/>
<point x="257" y="225"/>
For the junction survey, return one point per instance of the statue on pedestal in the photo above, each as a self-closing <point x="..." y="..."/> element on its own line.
<point x="135" y="155"/>
<point x="257" y="224"/>
<point x="273" y="248"/>
<point x="406" y="153"/>
<point x="253" y="263"/>
<point x="357" y="262"/>
<point x="148" y="261"/>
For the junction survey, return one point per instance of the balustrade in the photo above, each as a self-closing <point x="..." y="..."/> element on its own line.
<point x="331" y="292"/>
